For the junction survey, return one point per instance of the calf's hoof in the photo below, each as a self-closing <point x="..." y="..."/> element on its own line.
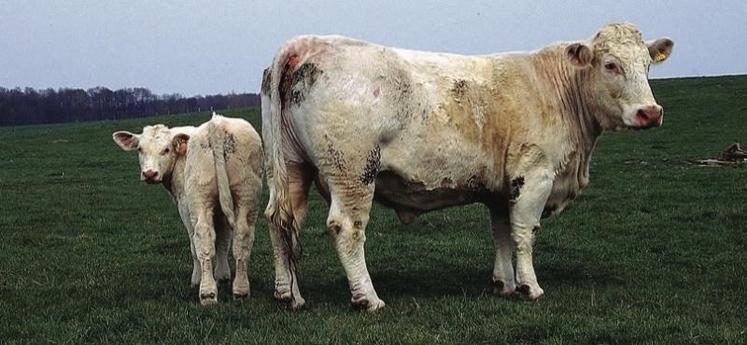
<point x="504" y="289"/>
<point x="240" y="293"/>
<point x="287" y="300"/>
<point x="529" y="293"/>
<point x="208" y="298"/>
<point x="369" y="304"/>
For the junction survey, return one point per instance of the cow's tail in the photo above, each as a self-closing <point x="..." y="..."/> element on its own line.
<point x="217" y="140"/>
<point x="280" y="209"/>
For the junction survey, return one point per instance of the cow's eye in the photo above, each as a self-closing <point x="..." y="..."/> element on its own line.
<point x="140" y="149"/>
<point x="166" y="151"/>
<point x="612" y="67"/>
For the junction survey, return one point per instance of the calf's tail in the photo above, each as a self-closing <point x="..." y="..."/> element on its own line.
<point x="217" y="139"/>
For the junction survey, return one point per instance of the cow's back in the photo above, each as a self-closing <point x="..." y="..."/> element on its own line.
<point x="441" y="122"/>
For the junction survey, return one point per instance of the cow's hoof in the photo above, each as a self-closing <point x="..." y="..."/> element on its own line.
<point x="238" y="296"/>
<point x="530" y="293"/>
<point x="287" y="300"/>
<point x="504" y="289"/>
<point x="368" y="304"/>
<point x="208" y="298"/>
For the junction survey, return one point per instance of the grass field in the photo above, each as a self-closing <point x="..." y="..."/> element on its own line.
<point x="653" y="251"/>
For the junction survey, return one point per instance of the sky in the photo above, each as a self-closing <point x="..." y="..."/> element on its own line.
<point x="210" y="47"/>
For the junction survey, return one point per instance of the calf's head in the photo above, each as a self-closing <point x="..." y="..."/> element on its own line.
<point x="617" y="62"/>
<point x="158" y="149"/>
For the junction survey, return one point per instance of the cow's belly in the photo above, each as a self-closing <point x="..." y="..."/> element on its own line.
<point x="396" y="192"/>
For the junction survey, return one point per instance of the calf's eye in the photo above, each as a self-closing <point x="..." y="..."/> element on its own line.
<point x="166" y="151"/>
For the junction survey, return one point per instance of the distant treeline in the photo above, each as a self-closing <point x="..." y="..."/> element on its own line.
<point x="31" y="106"/>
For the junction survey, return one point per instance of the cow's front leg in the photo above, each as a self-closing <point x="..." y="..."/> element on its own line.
<point x="347" y="220"/>
<point x="204" y="240"/>
<point x="504" y="282"/>
<point x="529" y="194"/>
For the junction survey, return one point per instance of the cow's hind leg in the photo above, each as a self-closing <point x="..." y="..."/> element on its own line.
<point x="503" y="270"/>
<point x="300" y="177"/>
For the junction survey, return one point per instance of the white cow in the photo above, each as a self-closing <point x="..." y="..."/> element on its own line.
<point x="419" y="131"/>
<point x="214" y="174"/>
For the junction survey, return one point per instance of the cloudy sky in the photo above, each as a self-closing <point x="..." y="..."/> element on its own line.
<point x="208" y="47"/>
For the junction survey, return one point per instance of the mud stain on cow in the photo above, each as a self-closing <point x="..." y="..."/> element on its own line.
<point x="335" y="157"/>
<point x="286" y="77"/>
<point x="373" y="164"/>
<point x="516" y="185"/>
<point x="229" y="146"/>
<point x="459" y="90"/>
<point x="303" y="80"/>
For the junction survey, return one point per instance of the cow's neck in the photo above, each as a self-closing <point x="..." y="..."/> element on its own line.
<point x="570" y="93"/>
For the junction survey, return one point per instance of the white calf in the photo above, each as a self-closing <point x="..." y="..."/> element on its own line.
<point x="214" y="174"/>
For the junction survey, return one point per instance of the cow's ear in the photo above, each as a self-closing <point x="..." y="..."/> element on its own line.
<point x="579" y="54"/>
<point x="180" y="144"/>
<point x="126" y="140"/>
<point x="660" y="49"/>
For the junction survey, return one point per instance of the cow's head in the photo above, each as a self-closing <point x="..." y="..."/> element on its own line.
<point x="158" y="149"/>
<point x="618" y="60"/>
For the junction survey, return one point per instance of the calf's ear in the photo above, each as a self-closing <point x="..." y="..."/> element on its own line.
<point x="579" y="54"/>
<point x="660" y="49"/>
<point x="180" y="143"/>
<point x="126" y="140"/>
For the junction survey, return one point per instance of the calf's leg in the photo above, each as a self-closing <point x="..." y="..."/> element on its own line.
<point x="184" y="214"/>
<point x="223" y="234"/>
<point x="243" y="241"/>
<point x="204" y="239"/>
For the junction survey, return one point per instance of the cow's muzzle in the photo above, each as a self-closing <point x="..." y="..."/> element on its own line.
<point x="648" y="116"/>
